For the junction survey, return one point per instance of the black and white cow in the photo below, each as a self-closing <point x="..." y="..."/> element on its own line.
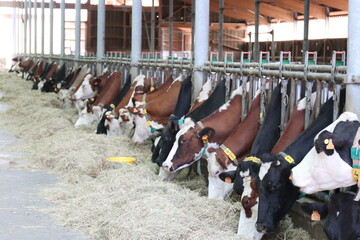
<point x="328" y="165"/>
<point x="342" y="216"/>
<point x="277" y="193"/>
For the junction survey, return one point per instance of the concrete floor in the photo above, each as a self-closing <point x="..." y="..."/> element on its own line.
<point x="20" y="218"/>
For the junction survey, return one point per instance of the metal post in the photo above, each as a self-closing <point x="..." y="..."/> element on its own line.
<point x="256" y="43"/>
<point x="272" y="46"/>
<point x="77" y="30"/>
<point x="305" y="46"/>
<point x="25" y="26"/>
<point x="221" y="23"/>
<point x="42" y="27"/>
<point x="192" y="25"/>
<point x="201" y="41"/>
<point x="171" y="12"/>
<point x="35" y="26"/>
<point x="15" y="32"/>
<point x="353" y="59"/>
<point x="51" y="6"/>
<point x="62" y="27"/>
<point x="152" y="33"/>
<point x="29" y="21"/>
<point x="100" y="49"/>
<point x="136" y="31"/>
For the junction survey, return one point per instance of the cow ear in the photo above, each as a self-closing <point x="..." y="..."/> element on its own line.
<point x="315" y="208"/>
<point x="228" y="177"/>
<point x="206" y="133"/>
<point x="133" y="110"/>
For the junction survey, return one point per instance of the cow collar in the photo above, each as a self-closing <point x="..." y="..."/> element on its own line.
<point x="355" y="156"/>
<point x="229" y="153"/>
<point x="252" y="159"/>
<point x="148" y="123"/>
<point x="287" y="158"/>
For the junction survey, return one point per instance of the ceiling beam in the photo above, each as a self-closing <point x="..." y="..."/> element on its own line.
<point x="316" y="10"/>
<point x="265" y="9"/>
<point x="339" y="4"/>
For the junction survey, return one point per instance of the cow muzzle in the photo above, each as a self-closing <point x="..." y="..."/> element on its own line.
<point x="263" y="228"/>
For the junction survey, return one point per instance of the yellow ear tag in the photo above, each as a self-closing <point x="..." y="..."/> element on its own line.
<point x="152" y="89"/>
<point x="148" y="123"/>
<point x="112" y="105"/>
<point x="228" y="180"/>
<point x="326" y="141"/>
<point x="315" y="216"/>
<point x="355" y="172"/>
<point x="93" y="99"/>
<point x="205" y="139"/>
<point x="330" y="145"/>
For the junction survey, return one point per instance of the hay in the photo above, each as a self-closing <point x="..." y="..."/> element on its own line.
<point x="107" y="200"/>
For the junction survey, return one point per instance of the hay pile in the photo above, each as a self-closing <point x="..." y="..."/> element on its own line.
<point x="110" y="200"/>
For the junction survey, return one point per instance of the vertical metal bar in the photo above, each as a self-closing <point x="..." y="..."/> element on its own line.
<point x="51" y="6"/>
<point x="25" y="26"/>
<point x="193" y="2"/>
<point x="317" y="104"/>
<point x="42" y="27"/>
<point x="62" y="29"/>
<point x="244" y="98"/>
<point x="152" y="34"/>
<point x="100" y="48"/>
<point x="256" y="43"/>
<point x="305" y="46"/>
<point x="221" y="23"/>
<point x="136" y="35"/>
<point x="77" y="30"/>
<point x="30" y="23"/>
<point x="201" y="41"/>
<point x="35" y="27"/>
<point x="273" y="46"/>
<point x="171" y="13"/>
<point x="146" y="30"/>
<point x="292" y="97"/>
<point x="15" y="31"/>
<point x="284" y="103"/>
<point x="308" y="103"/>
<point x="262" y="99"/>
<point x="353" y="60"/>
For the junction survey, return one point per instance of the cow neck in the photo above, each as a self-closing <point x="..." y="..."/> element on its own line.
<point x="355" y="156"/>
<point x="146" y="116"/>
<point x="229" y="154"/>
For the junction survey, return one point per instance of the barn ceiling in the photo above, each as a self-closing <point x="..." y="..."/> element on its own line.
<point x="278" y="10"/>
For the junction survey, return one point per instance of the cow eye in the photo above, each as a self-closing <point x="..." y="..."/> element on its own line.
<point x="182" y="141"/>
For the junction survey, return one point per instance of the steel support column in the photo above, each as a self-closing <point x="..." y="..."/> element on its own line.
<point x="30" y="23"/>
<point x="62" y="29"/>
<point x="171" y="13"/>
<point x="42" y="27"/>
<point x="201" y="42"/>
<point x="77" y="30"/>
<point x="100" y="48"/>
<point x="305" y="46"/>
<point x="136" y="35"/>
<point x="25" y="25"/>
<point x="353" y="59"/>
<point x="152" y="31"/>
<point x="35" y="27"/>
<point x="257" y="22"/>
<point x="51" y="7"/>
<point x="221" y="24"/>
<point x="192" y="26"/>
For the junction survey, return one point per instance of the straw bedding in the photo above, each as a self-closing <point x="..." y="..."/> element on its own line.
<point x="106" y="200"/>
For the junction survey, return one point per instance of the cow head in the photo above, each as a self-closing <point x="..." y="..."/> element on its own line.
<point x="277" y="193"/>
<point x="328" y="165"/>
<point x="112" y="124"/>
<point x="86" y="116"/>
<point x="98" y="112"/>
<point x="188" y="146"/>
<point x="341" y="214"/>
<point x="218" y="162"/>
<point x="246" y="183"/>
<point x="147" y="85"/>
<point x="126" y="122"/>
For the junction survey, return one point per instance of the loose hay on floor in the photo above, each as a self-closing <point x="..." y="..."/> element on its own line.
<point x="108" y="200"/>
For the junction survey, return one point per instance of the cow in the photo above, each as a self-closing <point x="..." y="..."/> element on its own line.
<point x="53" y="78"/>
<point x="110" y="91"/>
<point x="194" y="137"/>
<point x="153" y="116"/>
<point x="238" y="144"/>
<point x="342" y="216"/>
<point x="330" y="163"/>
<point x="245" y="177"/>
<point x="277" y="193"/>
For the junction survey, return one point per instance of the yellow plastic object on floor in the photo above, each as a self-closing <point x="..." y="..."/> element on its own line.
<point x="129" y="160"/>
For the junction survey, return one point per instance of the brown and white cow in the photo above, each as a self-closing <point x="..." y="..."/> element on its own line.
<point x="194" y="137"/>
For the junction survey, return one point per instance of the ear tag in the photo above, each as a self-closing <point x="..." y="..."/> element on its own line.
<point x="135" y="110"/>
<point x="152" y="89"/>
<point x="228" y="180"/>
<point x="355" y="172"/>
<point x="355" y="153"/>
<point x="152" y="129"/>
<point x="181" y="121"/>
<point x="92" y="99"/>
<point x="315" y="216"/>
<point x="144" y="111"/>
<point x="112" y="105"/>
<point x="330" y="145"/>
<point x="148" y="123"/>
<point x="205" y="139"/>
